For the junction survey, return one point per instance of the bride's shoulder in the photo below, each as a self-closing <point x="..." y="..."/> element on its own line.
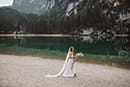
<point x="71" y="53"/>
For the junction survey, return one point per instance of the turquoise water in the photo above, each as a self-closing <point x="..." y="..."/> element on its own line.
<point x="113" y="48"/>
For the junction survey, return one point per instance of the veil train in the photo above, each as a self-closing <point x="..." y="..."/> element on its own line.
<point x="63" y="68"/>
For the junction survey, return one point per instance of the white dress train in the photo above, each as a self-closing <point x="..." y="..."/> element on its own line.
<point x="67" y="69"/>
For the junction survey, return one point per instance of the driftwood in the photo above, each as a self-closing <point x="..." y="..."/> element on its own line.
<point x="125" y="18"/>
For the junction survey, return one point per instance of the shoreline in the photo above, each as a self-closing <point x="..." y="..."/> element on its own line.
<point x="53" y="35"/>
<point x="90" y="60"/>
<point x="35" y="35"/>
<point x="28" y="71"/>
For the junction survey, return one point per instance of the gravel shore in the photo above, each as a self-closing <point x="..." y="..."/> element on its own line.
<point x="27" y="71"/>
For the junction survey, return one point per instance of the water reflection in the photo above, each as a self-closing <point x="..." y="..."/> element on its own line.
<point x="117" y="46"/>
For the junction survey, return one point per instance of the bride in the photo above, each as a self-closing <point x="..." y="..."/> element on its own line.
<point x="68" y="69"/>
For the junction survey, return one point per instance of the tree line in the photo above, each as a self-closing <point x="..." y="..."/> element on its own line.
<point x="91" y="13"/>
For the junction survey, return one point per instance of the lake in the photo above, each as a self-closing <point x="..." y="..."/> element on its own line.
<point x="116" y="48"/>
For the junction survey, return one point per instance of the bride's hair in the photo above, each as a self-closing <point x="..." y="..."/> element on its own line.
<point x="71" y="49"/>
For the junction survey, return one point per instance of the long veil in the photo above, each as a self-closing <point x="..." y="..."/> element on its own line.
<point x="63" y="68"/>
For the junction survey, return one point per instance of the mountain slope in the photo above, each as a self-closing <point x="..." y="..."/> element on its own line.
<point x="11" y="20"/>
<point x="29" y="6"/>
<point x="71" y="16"/>
<point x="65" y="7"/>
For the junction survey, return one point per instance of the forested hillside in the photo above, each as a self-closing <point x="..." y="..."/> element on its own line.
<point x="69" y="17"/>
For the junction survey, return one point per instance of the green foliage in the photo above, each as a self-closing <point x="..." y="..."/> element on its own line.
<point x="100" y="14"/>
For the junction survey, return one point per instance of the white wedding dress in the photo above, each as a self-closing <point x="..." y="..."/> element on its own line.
<point x="67" y="70"/>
